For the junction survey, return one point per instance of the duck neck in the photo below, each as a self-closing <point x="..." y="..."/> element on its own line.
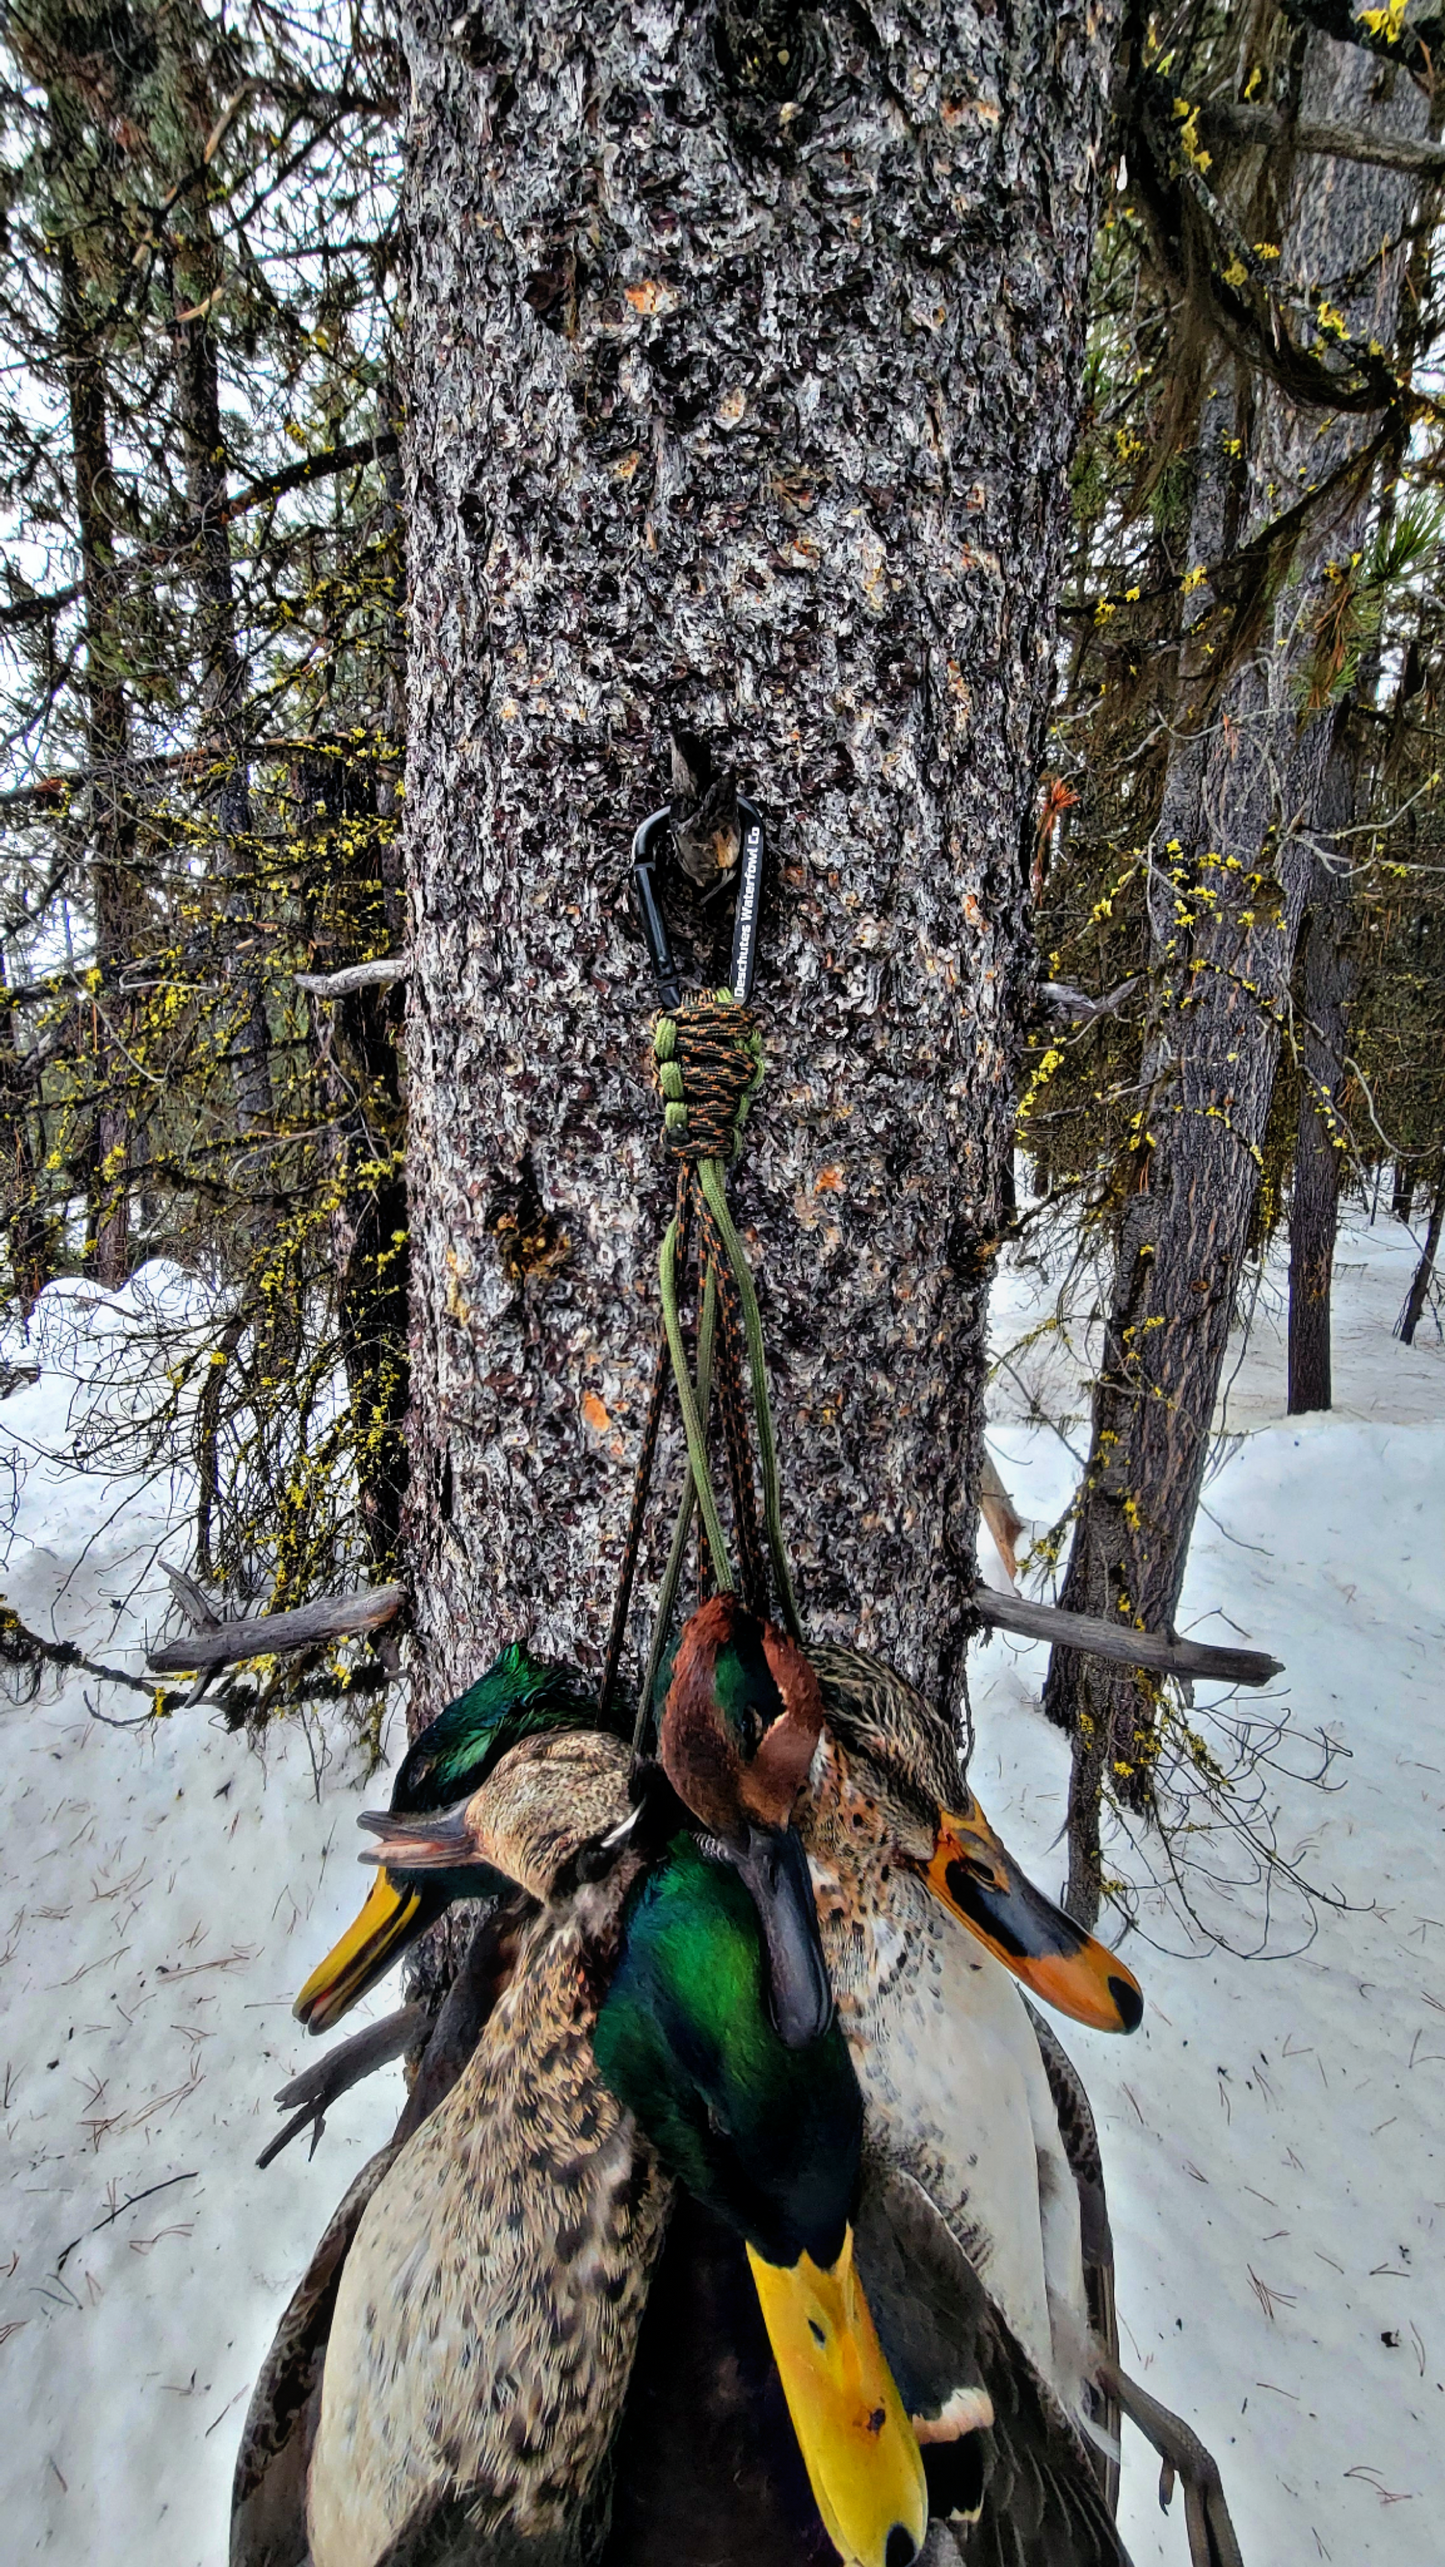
<point x="866" y="1897"/>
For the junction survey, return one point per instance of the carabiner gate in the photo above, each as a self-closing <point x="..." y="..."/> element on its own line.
<point x="646" y="848"/>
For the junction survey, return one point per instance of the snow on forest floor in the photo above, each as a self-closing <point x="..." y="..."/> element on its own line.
<point x="1271" y="2133"/>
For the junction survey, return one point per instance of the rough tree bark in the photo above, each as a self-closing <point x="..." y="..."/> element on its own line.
<point x="114" y="888"/>
<point x="1230" y="874"/>
<point x="744" y="363"/>
<point x="1326" y="980"/>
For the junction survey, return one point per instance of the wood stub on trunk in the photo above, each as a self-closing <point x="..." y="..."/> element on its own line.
<point x="1096" y="1638"/>
<point x="380" y="974"/>
<point x="741" y="394"/>
<point x="328" y="1617"/>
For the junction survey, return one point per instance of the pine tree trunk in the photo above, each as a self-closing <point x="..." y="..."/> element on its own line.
<point x="1326" y="979"/>
<point x="743" y="380"/>
<point x="29" y="1236"/>
<point x="1402" y="1195"/>
<point x="196" y="279"/>
<point x="114" y="889"/>
<point x="1414" y="1309"/>
<point x="1228" y="888"/>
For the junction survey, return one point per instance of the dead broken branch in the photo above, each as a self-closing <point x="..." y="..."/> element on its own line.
<point x="1075" y="1007"/>
<point x="375" y="975"/>
<point x="328" y="1617"/>
<point x="1001" y="1516"/>
<point x="1093" y="1637"/>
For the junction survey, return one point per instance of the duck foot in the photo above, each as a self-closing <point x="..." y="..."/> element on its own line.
<point x="317" y="2088"/>
<point x="1212" y="2541"/>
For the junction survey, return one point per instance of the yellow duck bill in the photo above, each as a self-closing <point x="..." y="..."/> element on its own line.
<point x="858" y="2447"/>
<point x="977" y="1879"/>
<point x="370" y="1944"/>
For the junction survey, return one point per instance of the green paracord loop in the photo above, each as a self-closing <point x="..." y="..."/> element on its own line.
<point x="709" y="1068"/>
<point x="672" y="1574"/>
<point x="692" y="1425"/>
<point x="709" y="1057"/>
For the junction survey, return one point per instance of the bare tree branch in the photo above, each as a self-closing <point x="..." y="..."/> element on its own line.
<point x="1076" y="1007"/>
<point x="1231" y="121"/>
<point x="252" y="494"/>
<point x="375" y="975"/>
<point x="63" y="1653"/>
<point x="327" y="1617"/>
<point x="1095" y="1638"/>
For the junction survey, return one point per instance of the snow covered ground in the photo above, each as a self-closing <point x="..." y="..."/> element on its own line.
<point x="163" y="1892"/>
<point x="1272" y="2132"/>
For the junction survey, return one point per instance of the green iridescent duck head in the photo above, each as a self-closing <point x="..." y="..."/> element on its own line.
<point x="519" y="1697"/>
<point x="767" y="2134"/>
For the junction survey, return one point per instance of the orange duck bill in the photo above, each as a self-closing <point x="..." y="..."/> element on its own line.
<point x="975" y="1876"/>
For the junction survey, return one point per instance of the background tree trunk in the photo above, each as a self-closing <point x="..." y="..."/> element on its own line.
<point x="743" y="381"/>
<point x="1326" y="981"/>
<point x="1414" y="1309"/>
<point x="196" y="280"/>
<point x="114" y="886"/>
<point x="1230" y="872"/>
<point x="29" y="1237"/>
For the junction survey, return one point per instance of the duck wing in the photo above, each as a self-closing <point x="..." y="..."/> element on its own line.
<point x="1005" y="2467"/>
<point x="1079" y="2133"/>
<point x="268" y="2491"/>
<point x="268" y="2495"/>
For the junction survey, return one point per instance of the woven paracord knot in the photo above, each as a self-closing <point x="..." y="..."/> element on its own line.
<point x="709" y="1068"/>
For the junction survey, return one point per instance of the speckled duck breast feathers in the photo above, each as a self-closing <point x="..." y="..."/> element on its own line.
<point x="487" y="2315"/>
<point x="954" y="2089"/>
<point x="866" y="1896"/>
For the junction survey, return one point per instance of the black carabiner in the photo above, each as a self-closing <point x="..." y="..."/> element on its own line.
<point x="646" y="846"/>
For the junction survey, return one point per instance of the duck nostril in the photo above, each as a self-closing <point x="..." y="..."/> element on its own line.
<point x="902" y="2548"/>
